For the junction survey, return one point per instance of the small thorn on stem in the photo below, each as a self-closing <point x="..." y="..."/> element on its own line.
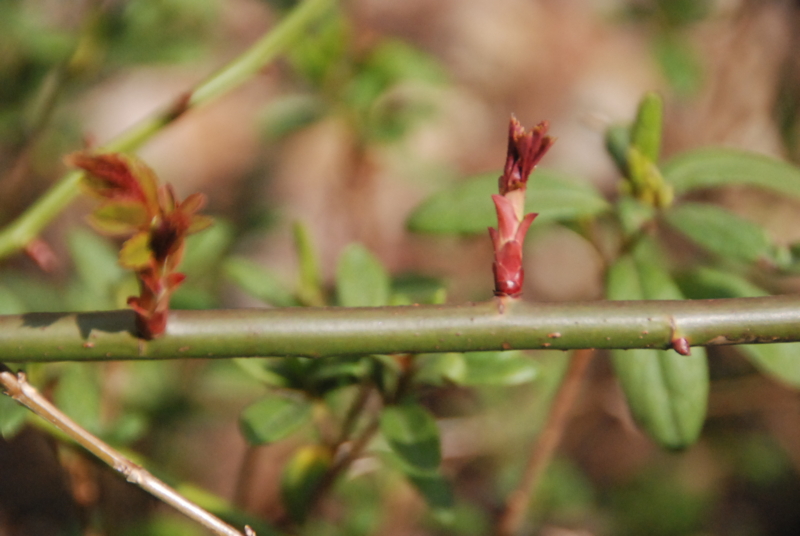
<point x="681" y="345"/>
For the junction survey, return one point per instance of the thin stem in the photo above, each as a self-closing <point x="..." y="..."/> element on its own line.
<point x="542" y="452"/>
<point x="20" y="390"/>
<point x="25" y="228"/>
<point x="500" y="324"/>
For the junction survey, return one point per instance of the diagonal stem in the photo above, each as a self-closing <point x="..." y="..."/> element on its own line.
<point x="17" y="387"/>
<point x="542" y="452"/>
<point x="21" y="231"/>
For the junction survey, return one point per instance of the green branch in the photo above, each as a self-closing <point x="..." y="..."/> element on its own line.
<point x="21" y="231"/>
<point x="315" y="332"/>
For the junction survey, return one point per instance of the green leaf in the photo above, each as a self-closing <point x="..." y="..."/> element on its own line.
<point x="95" y="259"/>
<point x="618" y="140"/>
<point x="467" y="208"/>
<point x="78" y="395"/>
<point x="274" y="418"/>
<point x="704" y="283"/>
<point x="257" y="282"/>
<point x="440" y="369"/>
<point x="301" y="478"/>
<point x="667" y="392"/>
<point x="498" y="368"/>
<point x="119" y="217"/>
<point x="310" y="288"/>
<point x="288" y="114"/>
<point x="720" y="231"/>
<point x="361" y="280"/>
<point x="646" y="130"/>
<point x="136" y="252"/>
<point x="12" y="417"/>
<point x="434" y="488"/>
<point x="713" y="167"/>
<point x="412" y="434"/>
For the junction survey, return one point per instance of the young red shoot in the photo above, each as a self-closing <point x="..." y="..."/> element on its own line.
<point x="525" y="149"/>
<point x="135" y="205"/>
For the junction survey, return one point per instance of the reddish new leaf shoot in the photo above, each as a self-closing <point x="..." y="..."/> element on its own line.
<point x="135" y="205"/>
<point x="525" y="149"/>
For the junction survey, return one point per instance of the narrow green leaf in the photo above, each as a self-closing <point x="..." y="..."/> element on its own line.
<point x="301" y="478"/>
<point x="412" y="434"/>
<point x="467" y="208"/>
<point x="498" y="368"/>
<point x="646" y="130"/>
<point x="361" y="280"/>
<point x="667" y="392"/>
<point x="713" y="167"/>
<point x="257" y="282"/>
<point x="310" y="287"/>
<point x="274" y="418"/>
<point x="618" y="140"/>
<point x="720" y="231"/>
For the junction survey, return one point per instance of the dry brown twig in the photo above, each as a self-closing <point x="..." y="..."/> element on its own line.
<point x="17" y="387"/>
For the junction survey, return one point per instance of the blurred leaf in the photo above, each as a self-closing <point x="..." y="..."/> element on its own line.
<point x="301" y="478"/>
<point x="136" y="252"/>
<point x="257" y="282"/>
<point x="633" y="214"/>
<point x="204" y="251"/>
<point x="434" y="488"/>
<point x="704" y="283"/>
<point x="466" y="208"/>
<point x="274" y="418"/>
<point x="12" y="417"/>
<point x="95" y="260"/>
<point x="10" y="304"/>
<point x="713" y="167"/>
<point x="720" y="231"/>
<point x="680" y="63"/>
<point x="361" y="280"/>
<point x="78" y="395"/>
<point x="415" y="288"/>
<point x="310" y="288"/>
<point x="667" y="392"/>
<point x="119" y="217"/>
<point x="259" y="369"/>
<point x="288" y="114"/>
<point x="440" y="369"/>
<point x="646" y="130"/>
<point x="618" y="140"/>
<point x="498" y="368"/>
<point x="412" y="434"/>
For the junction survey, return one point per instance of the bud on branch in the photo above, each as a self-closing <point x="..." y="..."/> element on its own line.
<point x="525" y="149"/>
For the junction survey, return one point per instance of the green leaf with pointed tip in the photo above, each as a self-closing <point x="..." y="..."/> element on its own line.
<point x="720" y="231"/>
<point x="301" y="478"/>
<point x="274" y="418"/>
<point x="646" y="130"/>
<point x="257" y="282"/>
<point x="412" y="434"/>
<point x="713" y="167"/>
<point x="136" y="252"/>
<point x="467" y="208"/>
<point x="499" y="368"/>
<point x="667" y="392"/>
<point x="361" y="280"/>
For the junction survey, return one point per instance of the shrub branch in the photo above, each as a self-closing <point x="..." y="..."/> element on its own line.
<point x="499" y="324"/>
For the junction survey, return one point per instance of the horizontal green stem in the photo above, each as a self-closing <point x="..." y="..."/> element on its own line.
<point x="27" y="226"/>
<point x="316" y="332"/>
